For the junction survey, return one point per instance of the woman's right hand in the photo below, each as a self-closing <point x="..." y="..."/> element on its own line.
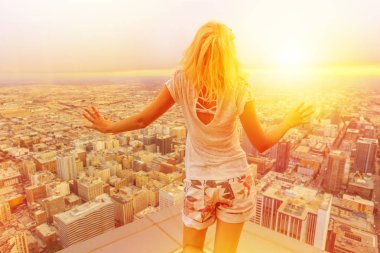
<point x="298" y="116"/>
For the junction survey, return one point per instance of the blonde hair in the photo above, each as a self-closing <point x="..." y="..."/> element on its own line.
<point x="211" y="60"/>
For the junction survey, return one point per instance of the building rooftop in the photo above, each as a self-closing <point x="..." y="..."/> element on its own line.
<point x="84" y="209"/>
<point x="163" y="231"/>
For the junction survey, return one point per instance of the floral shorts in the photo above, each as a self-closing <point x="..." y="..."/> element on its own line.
<point x="229" y="200"/>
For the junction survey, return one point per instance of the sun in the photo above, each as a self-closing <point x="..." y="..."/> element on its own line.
<point x="292" y="56"/>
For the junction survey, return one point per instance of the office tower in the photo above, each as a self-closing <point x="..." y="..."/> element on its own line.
<point x="124" y="211"/>
<point x="42" y="177"/>
<point x="310" y="226"/>
<point x="164" y="144"/>
<point x="166" y="167"/>
<point x="149" y="139"/>
<point x="86" y="221"/>
<point x="103" y="173"/>
<point x="171" y="195"/>
<point x="39" y="216"/>
<point x="18" y="239"/>
<point x="81" y="155"/>
<point x="338" y="166"/>
<point x="140" y="200"/>
<point x="9" y="176"/>
<point x="366" y="150"/>
<point x="262" y="164"/>
<point x="127" y="162"/>
<point x="293" y="210"/>
<point x="89" y="187"/>
<point x="28" y="169"/>
<point x="140" y="197"/>
<point x="48" y="234"/>
<point x="178" y="132"/>
<point x="139" y="165"/>
<point x="126" y="174"/>
<point x="5" y="211"/>
<point x="283" y="153"/>
<point x="118" y="182"/>
<point x="58" y="188"/>
<point x="53" y="205"/>
<point x="141" y="178"/>
<point x="66" y="166"/>
<point x="369" y="131"/>
<point x="35" y="192"/>
<point x="153" y="189"/>
<point x="361" y="184"/>
<point x="46" y="161"/>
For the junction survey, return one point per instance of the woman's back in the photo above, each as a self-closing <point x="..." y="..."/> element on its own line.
<point x="213" y="148"/>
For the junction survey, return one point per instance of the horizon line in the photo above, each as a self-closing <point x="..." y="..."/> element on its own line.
<point x="347" y="70"/>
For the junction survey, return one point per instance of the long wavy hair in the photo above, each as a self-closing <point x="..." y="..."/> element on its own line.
<point x="211" y="60"/>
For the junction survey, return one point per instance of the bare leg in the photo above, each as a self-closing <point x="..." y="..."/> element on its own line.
<point x="227" y="236"/>
<point x="193" y="239"/>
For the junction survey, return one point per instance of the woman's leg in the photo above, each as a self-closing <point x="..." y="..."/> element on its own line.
<point x="227" y="236"/>
<point x="193" y="239"/>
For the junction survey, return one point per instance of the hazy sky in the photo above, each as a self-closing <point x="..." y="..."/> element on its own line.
<point x="120" y="35"/>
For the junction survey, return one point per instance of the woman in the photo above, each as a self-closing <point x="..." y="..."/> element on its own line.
<point x="213" y="94"/>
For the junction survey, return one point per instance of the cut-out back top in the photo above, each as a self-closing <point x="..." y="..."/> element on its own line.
<point x="213" y="150"/>
<point x="202" y="108"/>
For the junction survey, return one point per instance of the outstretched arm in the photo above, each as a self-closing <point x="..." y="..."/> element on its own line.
<point x="150" y="113"/>
<point x="263" y="141"/>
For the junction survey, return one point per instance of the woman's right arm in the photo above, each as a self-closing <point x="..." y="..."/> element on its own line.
<point x="262" y="140"/>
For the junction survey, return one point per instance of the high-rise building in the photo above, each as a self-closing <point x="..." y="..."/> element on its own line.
<point x="53" y="205"/>
<point x="283" y="153"/>
<point x="66" y="166"/>
<point x="58" y="188"/>
<point x="171" y="195"/>
<point x="5" y="211"/>
<point x="366" y="149"/>
<point x="35" y="192"/>
<point x="124" y="211"/>
<point x="149" y="139"/>
<point x="338" y="166"/>
<point x="179" y="132"/>
<point x="103" y="173"/>
<point x="89" y="187"/>
<point x="361" y="184"/>
<point x="86" y="221"/>
<point x="140" y="197"/>
<point x="46" y="161"/>
<point x="141" y="178"/>
<point x="42" y="177"/>
<point x="164" y="144"/>
<point x="17" y="238"/>
<point x="293" y="210"/>
<point x="28" y="168"/>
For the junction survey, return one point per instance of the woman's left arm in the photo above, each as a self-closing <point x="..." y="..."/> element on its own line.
<point x="150" y="113"/>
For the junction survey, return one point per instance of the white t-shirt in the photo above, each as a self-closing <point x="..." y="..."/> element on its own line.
<point x="213" y="150"/>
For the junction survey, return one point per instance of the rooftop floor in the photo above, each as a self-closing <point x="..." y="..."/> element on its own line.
<point x="161" y="232"/>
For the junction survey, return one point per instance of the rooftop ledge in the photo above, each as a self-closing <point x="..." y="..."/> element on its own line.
<point x="161" y="232"/>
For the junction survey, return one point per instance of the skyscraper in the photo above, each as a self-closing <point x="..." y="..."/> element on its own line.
<point x="5" y="211"/>
<point x="293" y="210"/>
<point x="283" y="153"/>
<point x="366" y="149"/>
<point x="66" y="166"/>
<point x="171" y="195"/>
<point x="86" y="221"/>
<point x="337" y="168"/>
<point x="164" y="144"/>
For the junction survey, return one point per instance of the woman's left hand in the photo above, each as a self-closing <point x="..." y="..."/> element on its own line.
<point x="98" y="121"/>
